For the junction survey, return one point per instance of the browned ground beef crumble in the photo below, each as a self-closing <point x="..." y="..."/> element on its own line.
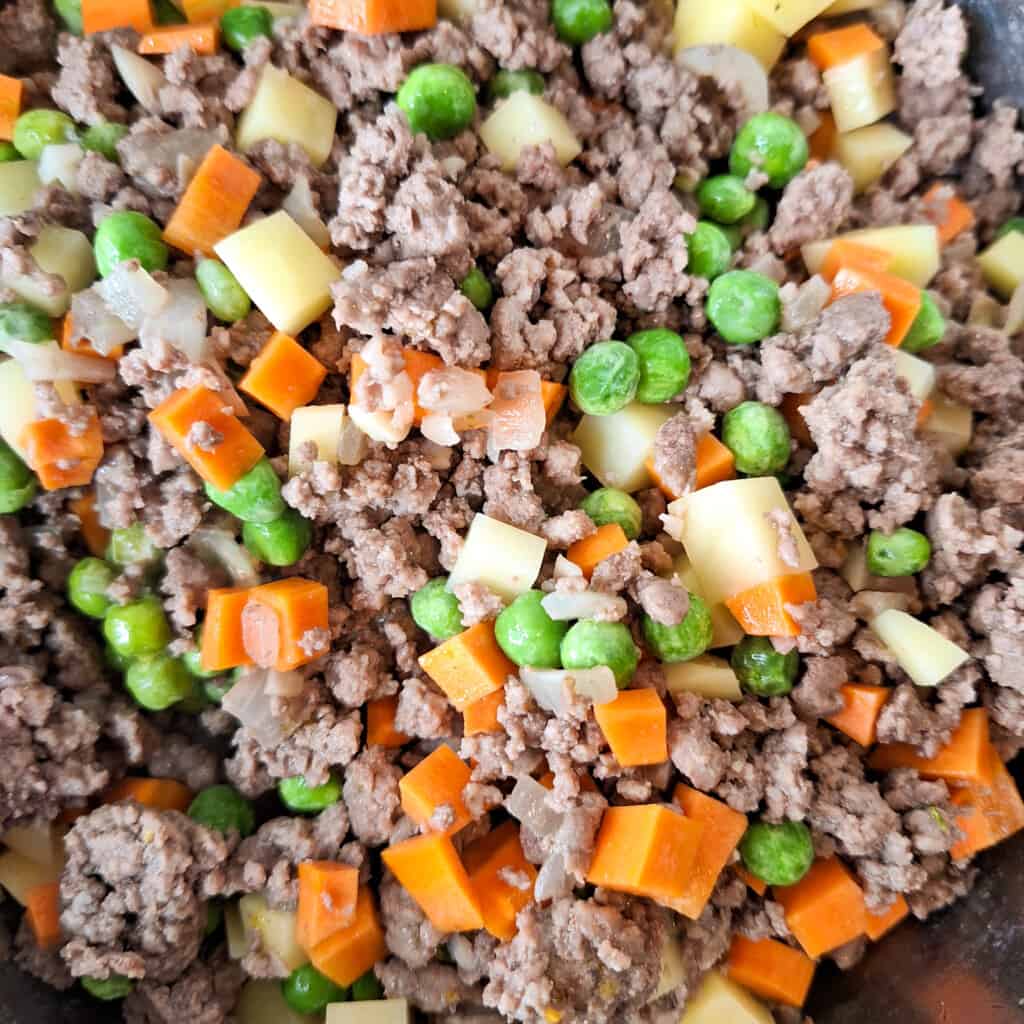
<point x="408" y="219"/>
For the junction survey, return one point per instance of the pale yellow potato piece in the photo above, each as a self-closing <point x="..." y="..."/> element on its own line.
<point x="922" y="652"/>
<point x="788" y="16"/>
<point x="616" y="447"/>
<point x="951" y="424"/>
<point x="725" y="630"/>
<point x="849" y="6"/>
<point x="503" y="557"/>
<point x="42" y="844"/>
<point x="319" y="424"/>
<point x="19" y="183"/>
<point x="18" y="874"/>
<point x="61" y="251"/>
<point x="1002" y="263"/>
<point x="277" y="10"/>
<point x="721" y="1001"/>
<point x="372" y="1011"/>
<point x="914" y="249"/>
<point x="262" y="1002"/>
<point x="918" y="373"/>
<point x="705" y="675"/>
<point x="869" y="152"/>
<point x="275" y="929"/>
<point x="729" y="22"/>
<point x="862" y="90"/>
<point x="238" y="941"/>
<point x="526" y="120"/>
<point x="18" y="402"/>
<point x="459" y="11"/>
<point x="673" y="966"/>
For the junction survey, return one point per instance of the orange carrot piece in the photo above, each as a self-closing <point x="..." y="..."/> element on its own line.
<point x="488" y="862"/>
<point x="841" y="45"/>
<point x="199" y="11"/>
<point x="482" y="715"/>
<point x="901" y="299"/>
<point x="822" y="143"/>
<point x="845" y="253"/>
<point x="770" y="969"/>
<point x="203" y="39"/>
<point x="825" y="909"/>
<point x="10" y="105"/>
<point x="213" y="204"/>
<point x="301" y="609"/>
<point x="437" y="780"/>
<point x="995" y="810"/>
<point x="947" y="211"/>
<point x="225" y="462"/>
<point x="284" y="376"/>
<point x="645" y="850"/>
<point x="95" y="534"/>
<point x="469" y="666"/>
<point x="552" y="394"/>
<point x="60" y="458"/>
<point x="635" y="725"/>
<point x="42" y="911"/>
<point x="790" y="409"/>
<point x="351" y="952"/>
<point x="328" y="892"/>
<point x="101" y="15"/>
<point x="761" y="610"/>
<point x="859" y="716"/>
<point x="604" y="541"/>
<point x="925" y="412"/>
<point x="758" y="885"/>
<point x="81" y="346"/>
<point x="715" y="462"/>
<point x="223" y="645"/>
<point x="429" y="869"/>
<point x="380" y="723"/>
<point x="373" y="17"/>
<point x="158" y="794"/>
<point x="964" y="759"/>
<point x="879" y="924"/>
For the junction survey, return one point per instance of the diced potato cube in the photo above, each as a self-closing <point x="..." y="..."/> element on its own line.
<point x="922" y="652"/>
<point x="42" y="844"/>
<point x="616" y="447"/>
<point x="18" y="405"/>
<point x="18" y="874"/>
<point x="1002" y="263"/>
<point x="19" y="182"/>
<point x="914" y="249"/>
<point x="320" y="425"/>
<point x="380" y="424"/>
<point x="262" y="1002"/>
<point x="238" y="941"/>
<point x="869" y="152"/>
<point x="61" y="251"/>
<point x="459" y="11"/>
<point x="789" y="16"/>
<point x="527" y="120"/>
<point x="503" y="557"/>
<point x="862" y="90"/>
<point x="920" y="375"/>
<point x="721" y="1001"/>
<point x="287" y="110"/>
<point x="838" y="7"/>
<point x="728" y="22"/>
<point x="274" y="930"/>
<point x="373" y="1011"/>
<point x="951" y="424"/>
<point x="725" y="630"/>
<point x="706" y="675"/>
<point x="282" y="270"/>
<point x="673" y="967"/>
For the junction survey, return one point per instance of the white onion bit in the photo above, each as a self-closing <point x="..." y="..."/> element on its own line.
<point x="92" y="321"/>
<point x="440" y="429"/>
<point x="181" y="322"/>
<point x="452" y="391"/>
<point x="131" y="294"/>
<point x="564" y="606"/>
<point x="564" y="569"/>
<point x="528" y="804"/>
<point x="220" y="547"/>
<point x="142" y="79"/>
<point x="249" y="701"/>
<point x="47" y="361"/>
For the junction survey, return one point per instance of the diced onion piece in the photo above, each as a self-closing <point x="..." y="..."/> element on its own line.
<point x="47" y="361"/>
<point x="731" y="68"/>
<point x="181" y="322"/>
<point x="517" y="415"/>
<point x="528" y="804"/>
<point x="131" y="294"/>
<point x="439" y="429"/>
<point x="92" y="320"/>
<point x="553" y="879"/>
<point x="250" y="703"/>
<point x="810" y="299"/>
<point x="597" y="683"/>
<point x="563" y="606"/>
<point x="564" y="569"/>
<point x="221" y="547"/>
<point x="386" y="426"/>
<point x="142" y="79"/>
<point x="452" y="391"/>
<point x="285" y="684"/>
<point x="547" y="685"/>
<point x="352" y="444"/>
<point x="299" y="204"/>
<point x="261" y="633"/>
<point x="59" y="163"/>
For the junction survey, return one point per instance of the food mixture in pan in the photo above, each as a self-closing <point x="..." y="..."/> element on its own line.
<point x="510" y="512"/>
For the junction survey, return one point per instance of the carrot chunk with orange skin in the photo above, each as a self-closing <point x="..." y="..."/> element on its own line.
<point x="429" y="869"/>
<point x="825" y="909"/>
<point x="790" y="409"/>
<point x="605" y="541"/>
<point x="101" y="15"/>
<point x="351" y="952"/>
<point x="437" y="780"/>
<point x="81" y="346"/>
<point x="10" y="105"/>
<point x="380" y="723"/>
<point x="95" y="534"/>
<point x="901" y="299"/>
<point x="158" y="794"/>
<point x="231" y="458"/>
<point x="213" y="204"/>
<point x="947" y="211"/>
<point x="879" y="924"/>
<point x="715" y="463"/>
<point x="635" y="725"/>
<point x="59" y="457"/>
<point x="202" y="38"/>
<point x="42" y="911"/>
<point x="482" y="715"/>
<point x="300" y="607"/>
<point x="488" y="861"/>
<point x="284" y="376"/>
<point x="846" y="253"/>
<point x="645" y="850"/>
<point x="761" y="610"/>
<point x="841" y="45"/>
<point x="994" y="811"/>
<point x="859" y="716"/>
<point x="373" y="17"/>
<point x="552" y="394"/>
<point x="223" y="646"/>
<point x="822" y="143"/>
<point x="328" y="892"/>
<point x="770" y="969"/>
<point x="758" y="885"/>
<point x="469" y="666"/>
<point x="964" y="759"/>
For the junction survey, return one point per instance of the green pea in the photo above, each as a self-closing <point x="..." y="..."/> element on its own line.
<point x="158" y="681"/>
<point x="127" y="235"/>
<point x="137" y="629"/>
<point x="241" y="25"/>
<point x="195" y="701"/>
<point x="118" y="662"/>
<point x="577" y="21"/>
<point x="609" y="505"/>
<point x="9" y="153"/>
<point x="758" y="437"/>
<point x="87" y="587"/>
<point x="214" y="919"/>
<point x="605" y="378"/>
<point x="20" y="321"/>
<point x="1013" y="224"/>
<point x="744" y="306"/>
<point x="477" y="289"/>
<point x="367" y="987"/>
<point x="306" y="990"/>
<point x="18" y="484"/>
<point x="193" y="660"/>
<point x="439" y="100"/>
<point x="710" y="251"/>
<point x="131" y="545"/>
<point x="734" y="233"/>
<point x="778" y="854"/>
<point x="528" y="635"/>
<point x="725" y="198"/>
<point x="225" y="297"/>
<point x="771" y="143"/>
<point x="70" y="12"/>
<point x="900" y="553"/>
<point x="103" y="138"/>
<point x="215" y="690"/>
<point x="589" y="644"/>
<point x="108" y="989"/>
<point x="664" y="364"/>
<point x="223" y="809"/>
<point x="435" y="609"/>
<point x="303" y="799"/>
<point x="504" y="83"/>
<point x="36" y="129"/>
<point x="281" y="542"/>
<point x="685" y="641"/>
<point x="254" y="497"/>
<point x="928" y="328"/>
<point x="761" y="669"/>
<point x="757" y="219"/>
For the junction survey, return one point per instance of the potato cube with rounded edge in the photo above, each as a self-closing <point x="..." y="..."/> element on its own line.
<point x="373" y="1011"/>
<point x="1002" y="263"/>
<point x="504" y="558"/>
<point x="914" y="249"/>
<point x="728" y="23"/>
<point x="921" y="651"/>
<point x="788" y="16"/>
<point x="526" y="120"/>
<point x="868" y="152"/>
<point x="918" y="373"/>
<point x="262" y="1002"/>
<point x="319" y="425"/>
<point x="274" y="930"/>
<point x="861" y="91"/>
<point x="725" y="630"/>
<point x="706" y="675"/>
<point x="18" y="405"/>
<point x="951" y="424"/>
<point x="721" y="1001"/>
<point x="19" y="183"/>
<point x="616" y="447"/>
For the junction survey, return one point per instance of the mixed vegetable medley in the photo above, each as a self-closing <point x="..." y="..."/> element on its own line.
<point x="509" y="510"/>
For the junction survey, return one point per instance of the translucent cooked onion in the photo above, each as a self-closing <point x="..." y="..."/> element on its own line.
<point x="439" y="429"/>
<point x="47" y="361"/>
<point x="730" y="66"/>
<point x="553" y="879"/>
<point x="564" y="569"/>
<point x="142" y="79"/>
<point x="285" y="684"/>
<point x="59" y="163"/>
<point x="181" y="322"/>
<point x="805" y="307"/>
<point x="528" y="804"/>
<point x="221" y="547"/>
<point x="452" y="392"/>
<point x="352" y="445"/>
<point x="299" y="205"/>
<point x="249" y="701"/>
<point x="92" y="320"/>
<point x="597" y="683"/>
<point x="548" y="687"/>
<point x="261" y="633"/>
<point x="131" y="294"/>
<point x="563" y="606"/>
<point x="517" y="415"/>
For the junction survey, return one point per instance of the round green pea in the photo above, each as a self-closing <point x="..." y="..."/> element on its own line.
<point x="108" y="989"/>
<point x="439" y="100"/>
<point x="255" y="497"/>
<point x="770" y="143"/>
<point x="477" y="289"/>
<point x="778" y="854"/>
<point x="139" y="628"/>
<point x="306" y="990"/>
<point x="70" y="12"/>
<point x="131" y="545"/>
<point x="303" y="799"/>
<point x="18" y="484"/>
<point x="758" y="437"/>
<point x="103" y="138"/>
<point x="664" y="364"/>
<point x="528" y="635"/>
<point x="128" y="235"/>
<point x="158" y="681"/>
<point x="928" y="328"/>
<point x="367" y="987"/>
<point x="761" y="669"/>
<point x="87" y="587"/>
<point x="710" y="251"/>
<point x="734" y="233"/>
<point x="36" y="129"/>
<point x="609" y="505"/>
<point x="223" y="809"/>
<point x="900" y="553"/>
<point x="505" y="83"/>
<point x="1013" y="224"/>
<point x="577" y="21"/>
<point x="225" y="297"/>
<point x="605" y="378"/>
<point x="757" y="219"/>
<point x="589" y="644"/>
<point x="20" y="321"/>
<point x="281" y="542"/>
<point x="744" y="306"/>
<point x="435" y="609"/>
<point x="9" y="153"/>
<point x="118" y="662"/>
<point x="193" y="660"/>
<point x="685" y="641"/>
<point x="241" y="25"/>
<point x="725" y="198"/>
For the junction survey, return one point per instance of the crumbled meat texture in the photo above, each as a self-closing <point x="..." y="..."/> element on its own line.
<point x="178" y="758"/>
<point x="358" y="675"/>
<point x="665" y="601"/>
<point x="423" y="711"/>
<point x="477" y="602"/>
<point x="205" y="994"/>
<point x="813" y="206"/>
<point x="44" y="964"/>
<point x="371" y="795"/>
<point x="817" y="694"/>
<point x="185" y="583"/>
<point x="407" y="932"/>
<point x="675" y="454"/>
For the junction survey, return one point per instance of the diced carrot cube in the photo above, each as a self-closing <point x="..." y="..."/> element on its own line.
<point x="469" y="666"/>
<point x="10" y="105"/>
<point x="489" y="862"/>
<point x="822" y="143"/>
<point x="284" y="376"/>
<point x="758" y="885"/>
<point x="846" y="253"/>
<point x="59" y="457"/>
<point x="947" y="211"/>
<point x="437" y="781"/>
<point x="790" y="409"/>
<point x="859" y="716"/>
<point x="964" y="759"/>
<point x="482" y="715"/>
<point x="605" y="541"/>
<point x="81" y="346"/>
<point x="715" y="462"/>
<point x="635" y="725"/>
<point x="95" y="534"/>
<point x="301" y="608"/>
<point x="203" y="39"/>
<point x="348" y="954"/>
<point x="380" y="723"/>
<point x="103" y="15"/>
<point x="994" y="810"/>
<point x="879" y="924"/>
<point x="901" y="299"/>
<point x="825" y="909"/>
<point x="223" y="645"/>
<point x="841" y="45"/>
<point x="373" y="17"/>
<point x="158" y="794"/>
<point x="42" y="911"/>
<point x="770" y="969"/>
<point x="328" y="895"/>
<point x="761" y="610"/>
